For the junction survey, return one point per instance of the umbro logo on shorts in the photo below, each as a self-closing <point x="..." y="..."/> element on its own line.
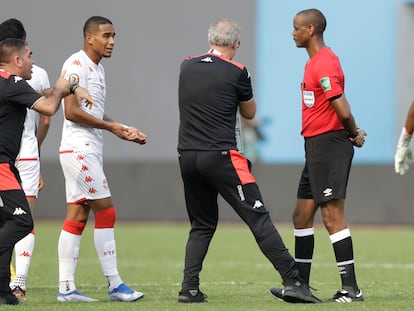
<point x="327" y="192"/>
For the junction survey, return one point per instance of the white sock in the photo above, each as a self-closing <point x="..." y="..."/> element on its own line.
<point x="68" y="252"/>
<point x="106" y="249"/>
<point x="23" y="253"/>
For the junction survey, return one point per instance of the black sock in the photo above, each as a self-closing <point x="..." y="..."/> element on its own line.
<point x="304" y="245"/>
<point x="344" y="254"/>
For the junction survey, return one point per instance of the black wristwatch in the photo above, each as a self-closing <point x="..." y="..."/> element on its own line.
<point x="73" y="87"/>
<point x="356" y="133"/>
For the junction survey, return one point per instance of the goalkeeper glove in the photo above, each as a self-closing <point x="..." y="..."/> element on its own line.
<point x="403" y="153"/>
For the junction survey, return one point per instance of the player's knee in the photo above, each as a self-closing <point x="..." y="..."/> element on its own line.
<point x="105" y="218"/>
<point x="74" y="227"/>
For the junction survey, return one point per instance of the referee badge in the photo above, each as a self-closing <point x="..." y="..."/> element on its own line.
<point x="308" y="98"/>
<point x="326" y="84"/>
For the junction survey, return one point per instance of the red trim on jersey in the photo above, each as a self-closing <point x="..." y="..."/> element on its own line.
<point x="74" y="227"/>
<point x="27" y="159"/>
<point x="4" y="74"/>
<point x="8" y="180"/>
<point x="80" y="201"/>
<point x="106" y="218"/>
<point x="241" y="166"/>
<point x="65" y="151"/>
<point x="31" y="196"/>
<point x="241" y="66"/>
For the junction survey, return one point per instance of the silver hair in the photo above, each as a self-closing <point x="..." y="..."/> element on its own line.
<point x="223" y="32"/>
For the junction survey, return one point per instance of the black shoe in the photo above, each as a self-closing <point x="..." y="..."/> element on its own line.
<point x="295" y="292"/>
<point x="8" y="299"/>
<point x="343" y="295"/>
<point x="191" y="295"/>
<point x="277" y="292"/>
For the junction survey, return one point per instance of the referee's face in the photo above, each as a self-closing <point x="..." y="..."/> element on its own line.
<point x="300" y="31"/>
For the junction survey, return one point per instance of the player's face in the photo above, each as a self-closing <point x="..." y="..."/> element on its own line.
<point x="300" y="31"/>
<point x="26" y="63"/>
<point x="104" y="40"/>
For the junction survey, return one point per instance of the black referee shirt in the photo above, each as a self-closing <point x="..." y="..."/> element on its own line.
<point x="210" y="89"/>
<point x="15" y="96"/>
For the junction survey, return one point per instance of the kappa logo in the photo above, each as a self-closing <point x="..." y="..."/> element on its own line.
<point x="19" y="211"/>
<point x="257" y="204"/>
<point x="76" y="62"/>
<point x="207" y="59"/>
<point x="25" y="254"/>
<point x="328" y="192"/>
<point x="17" y="79"/>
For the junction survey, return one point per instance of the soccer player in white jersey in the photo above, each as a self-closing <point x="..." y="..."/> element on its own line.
<point x="27" y="162"/>
<point x="81" y="160"/>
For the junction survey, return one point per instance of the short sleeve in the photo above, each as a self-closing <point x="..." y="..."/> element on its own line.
<point x="245" y="90"/>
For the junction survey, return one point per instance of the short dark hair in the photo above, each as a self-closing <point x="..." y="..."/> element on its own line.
<point x="9" y="47"/>
<point x="316" y="18"/>
<point x="94" y="21"/>
<point x="12" y="28"/>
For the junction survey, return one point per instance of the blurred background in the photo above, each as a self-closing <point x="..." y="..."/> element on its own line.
<point x="373" y="40"/>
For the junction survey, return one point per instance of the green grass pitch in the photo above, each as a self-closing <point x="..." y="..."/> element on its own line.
<point x="236" y="276"/>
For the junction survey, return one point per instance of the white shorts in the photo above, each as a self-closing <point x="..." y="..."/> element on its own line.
<point x="84" y="176"/>
<point x="29" y="171"/>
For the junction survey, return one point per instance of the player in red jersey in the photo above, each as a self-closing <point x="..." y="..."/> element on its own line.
<point x="330" y="133"/>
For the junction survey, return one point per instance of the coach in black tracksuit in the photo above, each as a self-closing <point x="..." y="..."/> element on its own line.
<point x="212" y="88"/>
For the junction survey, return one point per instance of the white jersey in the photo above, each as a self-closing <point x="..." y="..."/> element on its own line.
<point x="29" y="148"/>
<point x="78" y="137"/>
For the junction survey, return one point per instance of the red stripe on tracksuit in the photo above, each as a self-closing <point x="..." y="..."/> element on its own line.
<point x="241" y="165"/>
<point x="8" y="180"/>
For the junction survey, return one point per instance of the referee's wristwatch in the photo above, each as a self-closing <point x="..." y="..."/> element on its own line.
<point x="356" y="133"/>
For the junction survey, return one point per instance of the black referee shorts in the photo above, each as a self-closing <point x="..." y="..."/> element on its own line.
<point x="328" y="163"/>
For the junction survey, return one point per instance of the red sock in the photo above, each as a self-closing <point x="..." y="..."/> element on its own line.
<point x="106" y="218"/>
<point x="74" y="227"/>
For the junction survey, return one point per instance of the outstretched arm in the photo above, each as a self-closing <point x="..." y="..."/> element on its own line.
<point x="74" y="113"/>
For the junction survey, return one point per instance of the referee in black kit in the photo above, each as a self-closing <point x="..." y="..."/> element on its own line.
<point x="212" y="88"/>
